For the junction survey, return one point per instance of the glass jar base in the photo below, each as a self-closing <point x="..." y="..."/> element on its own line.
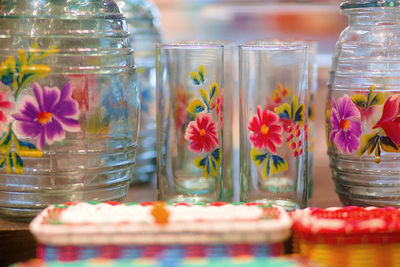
<point x="363" y="182"/>
<point x="288" y="205"/>
<point x="24" y="207"/>
<point x="192" y="199"/>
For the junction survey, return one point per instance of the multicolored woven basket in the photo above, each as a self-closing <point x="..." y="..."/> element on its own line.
<point x="82" y="231"/>
<point x="350" y="236"/>
<point x="244" y="261"/>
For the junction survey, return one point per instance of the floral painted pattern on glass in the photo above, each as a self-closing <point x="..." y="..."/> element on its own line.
<point x="282" y="121"/>
<point x="265" y="130"/>
<point x="366" y="123"/>
<point x="48" y="115"/>
<point x="45" y="117"/>
<point x="292" y="119"/>
<point x="17" y="73"/>
<point x="5" y="108"/>
<point x="265" y="135"/>
<point x="346" y="127"/>
<point x="202" y="131"/>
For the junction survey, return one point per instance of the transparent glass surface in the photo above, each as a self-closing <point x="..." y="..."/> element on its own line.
<point x="143" y="21"/>
<point x="69" y="104"/>
<point x="362" y="108"/>
<point x="189" y="122"/>
<point x="273" y="124"/>
<point x="312" y="90"/>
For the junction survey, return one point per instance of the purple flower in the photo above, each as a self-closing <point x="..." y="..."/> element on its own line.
<point x="48" y="115"/>
<point x="346" y="125"/>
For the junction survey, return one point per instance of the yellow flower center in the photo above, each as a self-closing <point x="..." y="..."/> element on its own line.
<point x="264" y="129"/>
<point x="44" y="117"/>
<point x="344" y="124"/>
<point x="202" y="132"/>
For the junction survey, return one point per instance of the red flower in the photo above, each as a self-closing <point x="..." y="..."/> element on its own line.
<point x="80" y="87"/>
<point x="181" y="115"/>
<point x="266" y="130"/>
<point x="4" y="106"/>
<point x="390" y="120"/>
<point x="202" y="133"/>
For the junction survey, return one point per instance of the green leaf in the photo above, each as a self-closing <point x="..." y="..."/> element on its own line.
<point x="257" y="156"/>
<point x="202" y="73"/>
<point x="278" y="164"/>
<point x="196" y="106"/>
<point x="214" y="91"/>
<point x="26" y="149"/>
<point x="203" y="163"/>
<point x="388" y="145"/>
<point x="368" y="141"/>
<point x="195" y="77"/>
<point x="6" y="142"/>
<point x="359" y="100"/>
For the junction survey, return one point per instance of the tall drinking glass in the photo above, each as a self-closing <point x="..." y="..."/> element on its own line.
<point x="273" y="136"/>
<point x="189" y="121"/>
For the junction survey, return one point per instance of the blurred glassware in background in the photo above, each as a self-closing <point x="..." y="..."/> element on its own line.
<point x="69" y="105"/>
<point x="143" y="20"/>
<point x="363" y="105"/>
<point x="273" y="124"/>
<point x="190" y="121"/>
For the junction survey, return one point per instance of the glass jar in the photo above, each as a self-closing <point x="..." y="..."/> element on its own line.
<point x="69" y="107"/>
<point x="143" y="21"/>
<point x="363" y="105"/>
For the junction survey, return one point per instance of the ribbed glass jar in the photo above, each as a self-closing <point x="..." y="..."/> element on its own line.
<point x="143" y="21"/>
<point x="69" y="106"/>
<point x="363" y="105"/>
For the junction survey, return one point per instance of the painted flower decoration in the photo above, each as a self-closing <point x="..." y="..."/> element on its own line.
<point x="346" y="127"/>
<point x="80" y="87"/>
<point x="5" y="107"/>
<point x="390" y="120"/>
<point x="367" y="103"/>
<point x="202" y="133"/>
<point x="266" y="131"/>
<point x="181" y="114"/>
<point x="48" y="115"/>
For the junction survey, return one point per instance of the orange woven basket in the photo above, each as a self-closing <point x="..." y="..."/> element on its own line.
<point x="350" y="236"/>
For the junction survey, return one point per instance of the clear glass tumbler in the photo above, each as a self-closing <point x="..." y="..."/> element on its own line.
<point x="189" y="121"/>
<point x="69" y="107"/>
<point x="280" y="98"/>
<point x="273" y="135"/>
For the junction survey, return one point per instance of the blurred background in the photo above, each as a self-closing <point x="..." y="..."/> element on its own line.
<point x="242" y="20"/>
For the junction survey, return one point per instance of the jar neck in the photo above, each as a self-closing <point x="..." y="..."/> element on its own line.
<point x="373" y="16"/>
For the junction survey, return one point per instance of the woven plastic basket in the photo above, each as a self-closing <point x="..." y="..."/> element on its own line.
<point x="81" y="231"/>
<point x="350" y="236"/>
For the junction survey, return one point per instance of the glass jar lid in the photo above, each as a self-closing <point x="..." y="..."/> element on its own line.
<point x="369" y="3"/>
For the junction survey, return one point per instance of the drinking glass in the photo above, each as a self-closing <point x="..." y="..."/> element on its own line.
<point x="273" y="124"/>
<point x="312" y="90"/>
<point x="189" y="121"/>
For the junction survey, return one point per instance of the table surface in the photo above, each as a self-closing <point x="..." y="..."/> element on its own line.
<point x="17" y="244"/>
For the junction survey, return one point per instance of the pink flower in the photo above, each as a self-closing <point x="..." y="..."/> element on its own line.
<point x="266" y="131"/>
<point x="80" y="86"/>
<point x="219" y="108"/>
<point x="181" y="115"/>
<point x="4" y="107"/>
<point x="202" y="133"/>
